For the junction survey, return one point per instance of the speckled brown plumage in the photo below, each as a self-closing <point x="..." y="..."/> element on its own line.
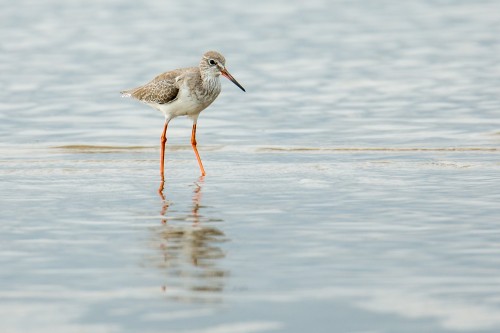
<point x="162" y="89"/>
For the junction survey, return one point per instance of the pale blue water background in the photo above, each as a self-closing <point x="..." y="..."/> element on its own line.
<point x="354" y="188"/>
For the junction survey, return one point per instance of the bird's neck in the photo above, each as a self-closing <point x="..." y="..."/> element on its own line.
<point x="211" y="83"/>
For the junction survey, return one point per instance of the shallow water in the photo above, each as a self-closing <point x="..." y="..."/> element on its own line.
<point x="353" y="188"/>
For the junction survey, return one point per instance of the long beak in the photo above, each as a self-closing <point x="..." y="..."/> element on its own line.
<point x="230" y="77"/>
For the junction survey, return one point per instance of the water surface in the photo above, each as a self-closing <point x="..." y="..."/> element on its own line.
<point x="353" y="188"/>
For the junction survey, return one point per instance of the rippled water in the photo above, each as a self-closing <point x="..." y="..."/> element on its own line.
<point x="353" y="188"/>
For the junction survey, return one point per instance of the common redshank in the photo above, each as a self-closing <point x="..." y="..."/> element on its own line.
<point x="184" y="92"/>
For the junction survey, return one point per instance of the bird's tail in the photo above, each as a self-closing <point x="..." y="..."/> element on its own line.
<point x="126" y="93"/>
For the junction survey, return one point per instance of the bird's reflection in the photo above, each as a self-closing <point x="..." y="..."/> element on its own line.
<point x="189" y="245"/>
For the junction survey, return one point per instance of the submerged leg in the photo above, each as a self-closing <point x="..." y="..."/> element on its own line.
<point x="193" y="144"/>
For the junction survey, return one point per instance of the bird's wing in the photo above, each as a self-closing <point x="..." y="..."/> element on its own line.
<point x="161" y="90"/>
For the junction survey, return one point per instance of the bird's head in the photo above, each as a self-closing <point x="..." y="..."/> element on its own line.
<point x="213" y="64"/>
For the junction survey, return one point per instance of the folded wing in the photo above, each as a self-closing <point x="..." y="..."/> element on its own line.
<point x="162" y="89"/>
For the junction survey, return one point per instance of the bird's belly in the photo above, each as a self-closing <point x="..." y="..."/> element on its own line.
<point x="184" y="105"/>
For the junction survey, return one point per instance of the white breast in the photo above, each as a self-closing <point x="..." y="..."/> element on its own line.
<point x="188" y="103"/>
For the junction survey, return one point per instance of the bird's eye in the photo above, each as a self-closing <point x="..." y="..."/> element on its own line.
<point x="212" y="62"/>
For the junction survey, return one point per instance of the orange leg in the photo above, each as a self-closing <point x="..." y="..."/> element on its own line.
<point x="160" y="189"/>
<point x="193" y="144"/>
<point x="163" y="140"/>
